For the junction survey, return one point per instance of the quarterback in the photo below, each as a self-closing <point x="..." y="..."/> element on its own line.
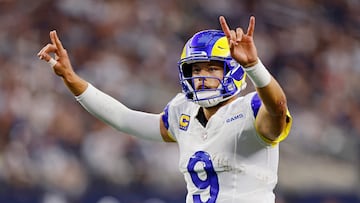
<point x="229" y="143"/>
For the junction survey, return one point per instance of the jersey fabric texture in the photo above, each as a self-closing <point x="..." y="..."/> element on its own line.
<point x="226" y="161"/>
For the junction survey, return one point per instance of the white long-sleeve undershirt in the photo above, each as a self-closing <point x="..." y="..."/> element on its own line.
<point x="112" y="112"/>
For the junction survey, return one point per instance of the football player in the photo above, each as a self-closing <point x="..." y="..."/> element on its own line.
<point x="228" y="143"/>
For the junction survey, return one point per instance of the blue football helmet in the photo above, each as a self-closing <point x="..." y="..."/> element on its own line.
<point x="205" y="46"/>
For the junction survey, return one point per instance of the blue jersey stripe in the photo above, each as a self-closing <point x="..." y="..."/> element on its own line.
<point x="255" y="104"/>
<point x="165" y="117"/>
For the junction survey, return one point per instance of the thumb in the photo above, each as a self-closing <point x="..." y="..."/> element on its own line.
<point x="46" y="57"/>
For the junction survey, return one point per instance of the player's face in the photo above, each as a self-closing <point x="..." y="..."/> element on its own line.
<point x="212" y="71"/>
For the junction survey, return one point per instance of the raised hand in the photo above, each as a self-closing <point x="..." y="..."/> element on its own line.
<point x="242" y="46"/>
<point x="62" y="65"/>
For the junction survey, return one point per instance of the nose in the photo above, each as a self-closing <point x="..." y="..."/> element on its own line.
<point x="202" y="78"/>
<point x="203" y="75"/>
<point x="203" y="72"/>
<point x="200" y="81"/>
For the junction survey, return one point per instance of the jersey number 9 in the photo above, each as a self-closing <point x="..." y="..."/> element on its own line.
<point x="211" y="179"/>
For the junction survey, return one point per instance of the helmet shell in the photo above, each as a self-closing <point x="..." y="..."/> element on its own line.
<point x="205" y="46"/>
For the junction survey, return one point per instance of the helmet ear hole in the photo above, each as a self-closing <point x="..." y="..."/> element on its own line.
<point x="187" y="70"/>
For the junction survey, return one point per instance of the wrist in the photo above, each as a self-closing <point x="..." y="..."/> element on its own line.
<point x="258" y="74"/>
<point x="74" y="83"/>
<point x="252" y="63"/>
<point x="69" y="76"/>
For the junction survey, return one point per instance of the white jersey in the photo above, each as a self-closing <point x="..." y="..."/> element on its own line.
<point x="227" y="161"/>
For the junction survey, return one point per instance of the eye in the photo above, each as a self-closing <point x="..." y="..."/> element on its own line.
<point x="213" y="68"/>
<point x="196" y="69"/>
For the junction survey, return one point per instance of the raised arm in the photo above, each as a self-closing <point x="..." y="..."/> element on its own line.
<point x="102" y="106"/>
<point x="272" y="116"/>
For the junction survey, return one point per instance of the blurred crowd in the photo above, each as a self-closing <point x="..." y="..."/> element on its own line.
<point x="53" y="151"/>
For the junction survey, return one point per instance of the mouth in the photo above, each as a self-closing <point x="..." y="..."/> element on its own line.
<point x="203" y="87"/>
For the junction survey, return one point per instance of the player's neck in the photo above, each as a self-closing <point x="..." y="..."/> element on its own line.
<point x="210" y="111"/>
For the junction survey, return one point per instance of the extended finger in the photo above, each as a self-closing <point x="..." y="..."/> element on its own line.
<point x="251" y="28"/>
<point x="56" y="41"/>
<point x="225" y="28"/>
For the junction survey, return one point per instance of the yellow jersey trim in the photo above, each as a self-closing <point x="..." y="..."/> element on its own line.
<point x="171" y="136"/>
<point x="283" y="134"/>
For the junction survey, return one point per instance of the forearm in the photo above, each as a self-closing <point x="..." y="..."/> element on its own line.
<point x="273" y="98"/>
<point x="269" y="90"/>
<point x="117" y="115"/>
<point x="271" y="119"/>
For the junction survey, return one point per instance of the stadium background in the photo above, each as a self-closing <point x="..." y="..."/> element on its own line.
<point x="52" y="151"/>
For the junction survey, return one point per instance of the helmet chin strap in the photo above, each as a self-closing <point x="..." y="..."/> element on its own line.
<point x="203" y="102"/>
<point x="203" y="95"/>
